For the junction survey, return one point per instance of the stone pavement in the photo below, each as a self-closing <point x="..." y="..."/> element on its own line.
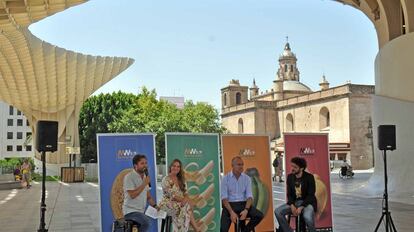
<point x="75" y="207"/>
<point x="70" y="207"/>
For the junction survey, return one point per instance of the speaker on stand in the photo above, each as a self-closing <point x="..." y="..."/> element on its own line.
<point x="386" y="141"/>
<point x="386" y="137"/>
<point x="46" y="140"/>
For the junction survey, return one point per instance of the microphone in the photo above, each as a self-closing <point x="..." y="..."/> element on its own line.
<point x="146" y="174"/>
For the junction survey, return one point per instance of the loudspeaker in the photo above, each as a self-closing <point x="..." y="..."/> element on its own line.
<point x="46" y="136"/>
<point x="386" y="137"/>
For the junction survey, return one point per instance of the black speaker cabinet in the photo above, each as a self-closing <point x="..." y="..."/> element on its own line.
<point x="386" y="137"/>
<point x="46" y="136"/>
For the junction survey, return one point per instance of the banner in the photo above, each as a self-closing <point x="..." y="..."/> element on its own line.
<point x="255" y="152"/>
<point x="314" y="148"/>
<point x="115" y="153"/>
<point x="199" y="154"/>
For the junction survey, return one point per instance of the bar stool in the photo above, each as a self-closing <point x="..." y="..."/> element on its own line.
<point x="166" y="224"/>
<point x="237" y="227"/>
<point x="134" y="225"/>
<point x="300" y="225"/>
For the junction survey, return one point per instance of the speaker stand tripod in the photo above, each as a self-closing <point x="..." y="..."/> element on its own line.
<point x="386" y="214"/>
<point x="42" y="227"/>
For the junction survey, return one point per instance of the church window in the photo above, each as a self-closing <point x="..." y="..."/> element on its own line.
<point x="225" y="99"/>
<point x="289" y="123"/>
<point x="240" y="126"/>
<point x="291" y="67"/>
<point x="324" y="119"/>
<point x="286" y="67"/>
<point x="238" y="98"/>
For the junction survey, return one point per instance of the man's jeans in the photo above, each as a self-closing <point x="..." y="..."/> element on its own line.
<point x="308" y="215"/>
<point x="141" y="219"/>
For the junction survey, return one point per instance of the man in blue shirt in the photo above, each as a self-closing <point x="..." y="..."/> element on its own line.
<point x="237" y="198"/>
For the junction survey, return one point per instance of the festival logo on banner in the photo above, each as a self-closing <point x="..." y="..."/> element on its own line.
<point x="115" y="153"/>
<point x="255" y="152"/>
<point x="314" y="148"/>
<point x="199" y="154"/>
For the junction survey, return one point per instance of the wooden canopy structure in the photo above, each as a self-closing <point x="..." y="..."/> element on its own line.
<point x="44" y="81"/>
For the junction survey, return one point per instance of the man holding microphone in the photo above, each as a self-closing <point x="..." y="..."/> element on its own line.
<point x="136" y="193"/>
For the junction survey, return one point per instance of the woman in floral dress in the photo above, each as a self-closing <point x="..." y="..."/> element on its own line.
<point x="175" y="201"/>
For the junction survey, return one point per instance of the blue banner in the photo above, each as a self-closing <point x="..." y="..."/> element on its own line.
<point x="115" y="153"/>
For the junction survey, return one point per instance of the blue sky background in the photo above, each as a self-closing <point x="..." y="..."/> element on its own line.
<point x="193" y="48"/>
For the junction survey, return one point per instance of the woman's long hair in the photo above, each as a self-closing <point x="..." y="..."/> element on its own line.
<point x="180" y="175"/>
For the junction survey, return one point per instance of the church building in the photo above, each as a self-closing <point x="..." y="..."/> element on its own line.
<point x="344" y="112"/>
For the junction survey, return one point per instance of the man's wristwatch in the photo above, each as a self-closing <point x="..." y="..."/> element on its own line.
<point x="247" y="209"/>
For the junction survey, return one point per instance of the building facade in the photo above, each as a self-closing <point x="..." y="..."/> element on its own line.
<point x="15" y="133"/>
<point x="344" y="112"/>
<point x="179" y="102"/>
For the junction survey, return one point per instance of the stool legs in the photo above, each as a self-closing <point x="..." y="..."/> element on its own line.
<point x="239" y="225"/>
<point x="298" y="223"/>
<point x="166" y="224"/>
<point x="162" y="224"/>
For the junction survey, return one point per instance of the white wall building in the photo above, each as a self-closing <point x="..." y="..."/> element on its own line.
<point x="14" y="130"/>
<point x="179" y="102"/>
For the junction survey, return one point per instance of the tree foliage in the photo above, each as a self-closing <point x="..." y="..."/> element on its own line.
<point x="144" y="113"/>
<point x="159" y="117"/>
<point x="96" y="113"/>
<point x="9" y="164"/>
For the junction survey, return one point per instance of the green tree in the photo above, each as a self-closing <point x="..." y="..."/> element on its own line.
<point x="9" y="164"/>
<point x="201" y="118"/>
<point x="150" y="115"/>
<point x="159" y="117"/>
<point x="96" y="113"/>
<point x="142" y="113"/>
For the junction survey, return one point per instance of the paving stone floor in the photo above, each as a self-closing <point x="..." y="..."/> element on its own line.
<point x="75" y="207"/>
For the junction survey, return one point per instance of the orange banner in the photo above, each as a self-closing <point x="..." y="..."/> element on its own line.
<point x="255" y="152"/>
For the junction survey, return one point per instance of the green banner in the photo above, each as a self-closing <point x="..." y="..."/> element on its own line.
<point x="199" y="154"/>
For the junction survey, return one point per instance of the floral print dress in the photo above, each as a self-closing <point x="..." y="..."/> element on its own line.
<point x="180" y="214"/>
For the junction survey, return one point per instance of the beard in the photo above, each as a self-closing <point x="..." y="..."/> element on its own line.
<point x="140" y="171"/>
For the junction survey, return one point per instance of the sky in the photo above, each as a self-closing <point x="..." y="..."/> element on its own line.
<point x="193" y="48"/>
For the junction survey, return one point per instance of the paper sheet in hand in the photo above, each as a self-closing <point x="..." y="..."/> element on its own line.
<point x="154" y="213"/>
